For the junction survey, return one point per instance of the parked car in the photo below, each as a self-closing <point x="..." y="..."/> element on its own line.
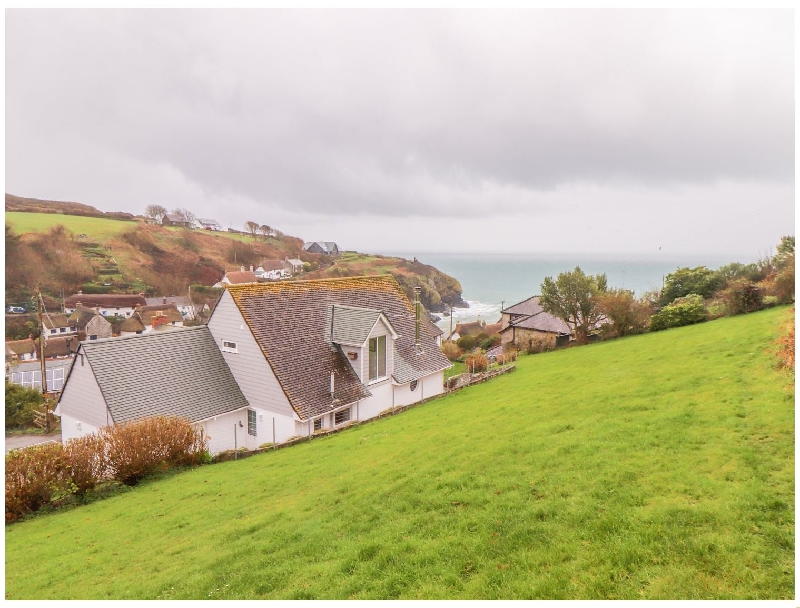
<point x="15" y="309"/>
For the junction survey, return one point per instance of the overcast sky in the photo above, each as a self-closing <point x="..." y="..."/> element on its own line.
<point x="541" y="131"/>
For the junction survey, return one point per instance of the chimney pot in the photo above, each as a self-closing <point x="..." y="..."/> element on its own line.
<point x="165" y="300"/>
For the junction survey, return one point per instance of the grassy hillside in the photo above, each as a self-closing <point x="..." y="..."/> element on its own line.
<point x="656" y="466"/>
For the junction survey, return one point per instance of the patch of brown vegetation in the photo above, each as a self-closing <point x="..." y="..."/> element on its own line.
<point x="786" y="344"/>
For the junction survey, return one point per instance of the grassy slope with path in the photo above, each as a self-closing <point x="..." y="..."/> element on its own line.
<point x="655" y="466"/>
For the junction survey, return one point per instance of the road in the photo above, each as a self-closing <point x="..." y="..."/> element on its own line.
<point x="14" y="442"/>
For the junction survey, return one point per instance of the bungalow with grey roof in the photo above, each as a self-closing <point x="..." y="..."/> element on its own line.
<point x="178" y="373"/>
<point x="324" y="247"/>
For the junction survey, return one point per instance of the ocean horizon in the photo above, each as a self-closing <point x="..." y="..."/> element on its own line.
<point x="494" y="281"/>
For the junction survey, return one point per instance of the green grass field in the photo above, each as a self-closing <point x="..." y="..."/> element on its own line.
<point x="656" y="466"/>
<point x="95" y="228"/>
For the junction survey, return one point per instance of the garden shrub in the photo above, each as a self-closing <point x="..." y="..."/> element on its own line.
<point x="477" y="362"/>
<point x="33" y="476"/>
<point x="21" y="402"/>
<point x="683" y="311"/>
<point x="141" y="447"/>
<point x="466" y="342"/>
<point x="451" y="350"/>
<point x="84" y="462"/>
<point x="741" y="296"/>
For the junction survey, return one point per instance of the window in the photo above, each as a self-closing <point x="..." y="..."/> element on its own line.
<point x="55" y="379"/>
<point x="52" y="331"/>
<point x="229" y="347"/>
<point x="341" y="417"/>
<point x="413" y="385"/>
<point x="318" y="425"/>
<point x="63" y="329"/>
<point x="251" y="423"/>
<point x="377" y="357"/>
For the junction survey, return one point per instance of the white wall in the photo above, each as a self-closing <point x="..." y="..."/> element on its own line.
<point x="252" y="372"/>
<point x="72" y="428"/>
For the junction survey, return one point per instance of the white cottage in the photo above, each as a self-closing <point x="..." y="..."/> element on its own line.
<point x="177" y="373"/>
<point x="316" y="355"/>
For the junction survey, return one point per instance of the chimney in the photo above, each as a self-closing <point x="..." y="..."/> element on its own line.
<point x="416" y="312"/>
<point x="241" y="268"/>
<point x="251" y="268"/>
<point x="165" y="300"/>
<point x="159" y="319"/>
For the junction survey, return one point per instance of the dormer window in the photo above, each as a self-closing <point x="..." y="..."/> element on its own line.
<point x="377" y="357"/>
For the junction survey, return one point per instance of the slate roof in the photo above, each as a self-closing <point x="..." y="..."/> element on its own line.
<point x="288" y="320"/>
<point x="542" y="322"/>
<point x="173" y="373"/>
<point x="164" y="300"/>
<point x="350" y="325"/>
<point x="526" y="307"/>
<point x="105" y="300"/>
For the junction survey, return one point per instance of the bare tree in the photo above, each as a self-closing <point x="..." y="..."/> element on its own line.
<point x="186" y="216"/>
<point x="265" y="230"/>
<point x="252" y="227"/>
<point x="155" y="212"/>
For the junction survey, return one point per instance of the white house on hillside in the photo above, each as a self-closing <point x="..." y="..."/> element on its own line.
<point x="314" y="355"/>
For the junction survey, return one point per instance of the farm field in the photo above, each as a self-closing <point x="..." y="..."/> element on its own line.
<point x="97" y="228"/>
<point x="651" y="467"/>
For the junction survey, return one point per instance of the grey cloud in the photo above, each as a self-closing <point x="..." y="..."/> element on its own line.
<point x="420" y="112"/>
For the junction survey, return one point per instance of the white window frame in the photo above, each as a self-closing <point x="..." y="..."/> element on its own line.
<point x="252" y="428"/>
<point x="378" y="376"/>
<point x="229" y="347"/>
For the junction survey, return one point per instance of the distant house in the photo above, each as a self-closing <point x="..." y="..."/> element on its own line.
<point x="527" y="320"/>
<point x="293" y="265"/>
<point x="21" y="350"/>
<point x="315" y="355"/>
<point x="173" y="219"/>
<point x="178" y="373"/>
<point x="57" y="324"/>
<point x="207" y="224"/>
<point x="272" y="270"/>
<point x="239" y="277"/>
<point x="27" y="372"/>
<point x="325" y="247"/>
<point x="182" y="303"/>
<point x="121" y="305"/>
<point x="474" y="328"/>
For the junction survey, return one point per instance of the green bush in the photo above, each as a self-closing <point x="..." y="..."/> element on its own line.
<point x="685" y="281"/>
<point x="20" y="404"/>
<point x="683" y="311"/>
<point x="466" y="342"/>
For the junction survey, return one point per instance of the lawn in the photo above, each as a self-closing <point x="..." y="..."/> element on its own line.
<point x="651" y="467"/>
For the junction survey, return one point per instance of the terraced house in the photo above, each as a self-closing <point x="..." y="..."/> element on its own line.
<point x="315" y="355"/>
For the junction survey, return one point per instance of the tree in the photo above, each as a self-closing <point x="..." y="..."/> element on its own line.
<point x="265" y="230"/>
<point x="574" y="298"/>
<point x="185" y="215"/>
<point x="627" y="314"/>
<point x="155" y="212"/>
<point x="251" y="227"/>
<point x="683" y="281"/>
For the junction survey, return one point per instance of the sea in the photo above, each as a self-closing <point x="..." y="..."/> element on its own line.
<point x="491" y="282"/>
